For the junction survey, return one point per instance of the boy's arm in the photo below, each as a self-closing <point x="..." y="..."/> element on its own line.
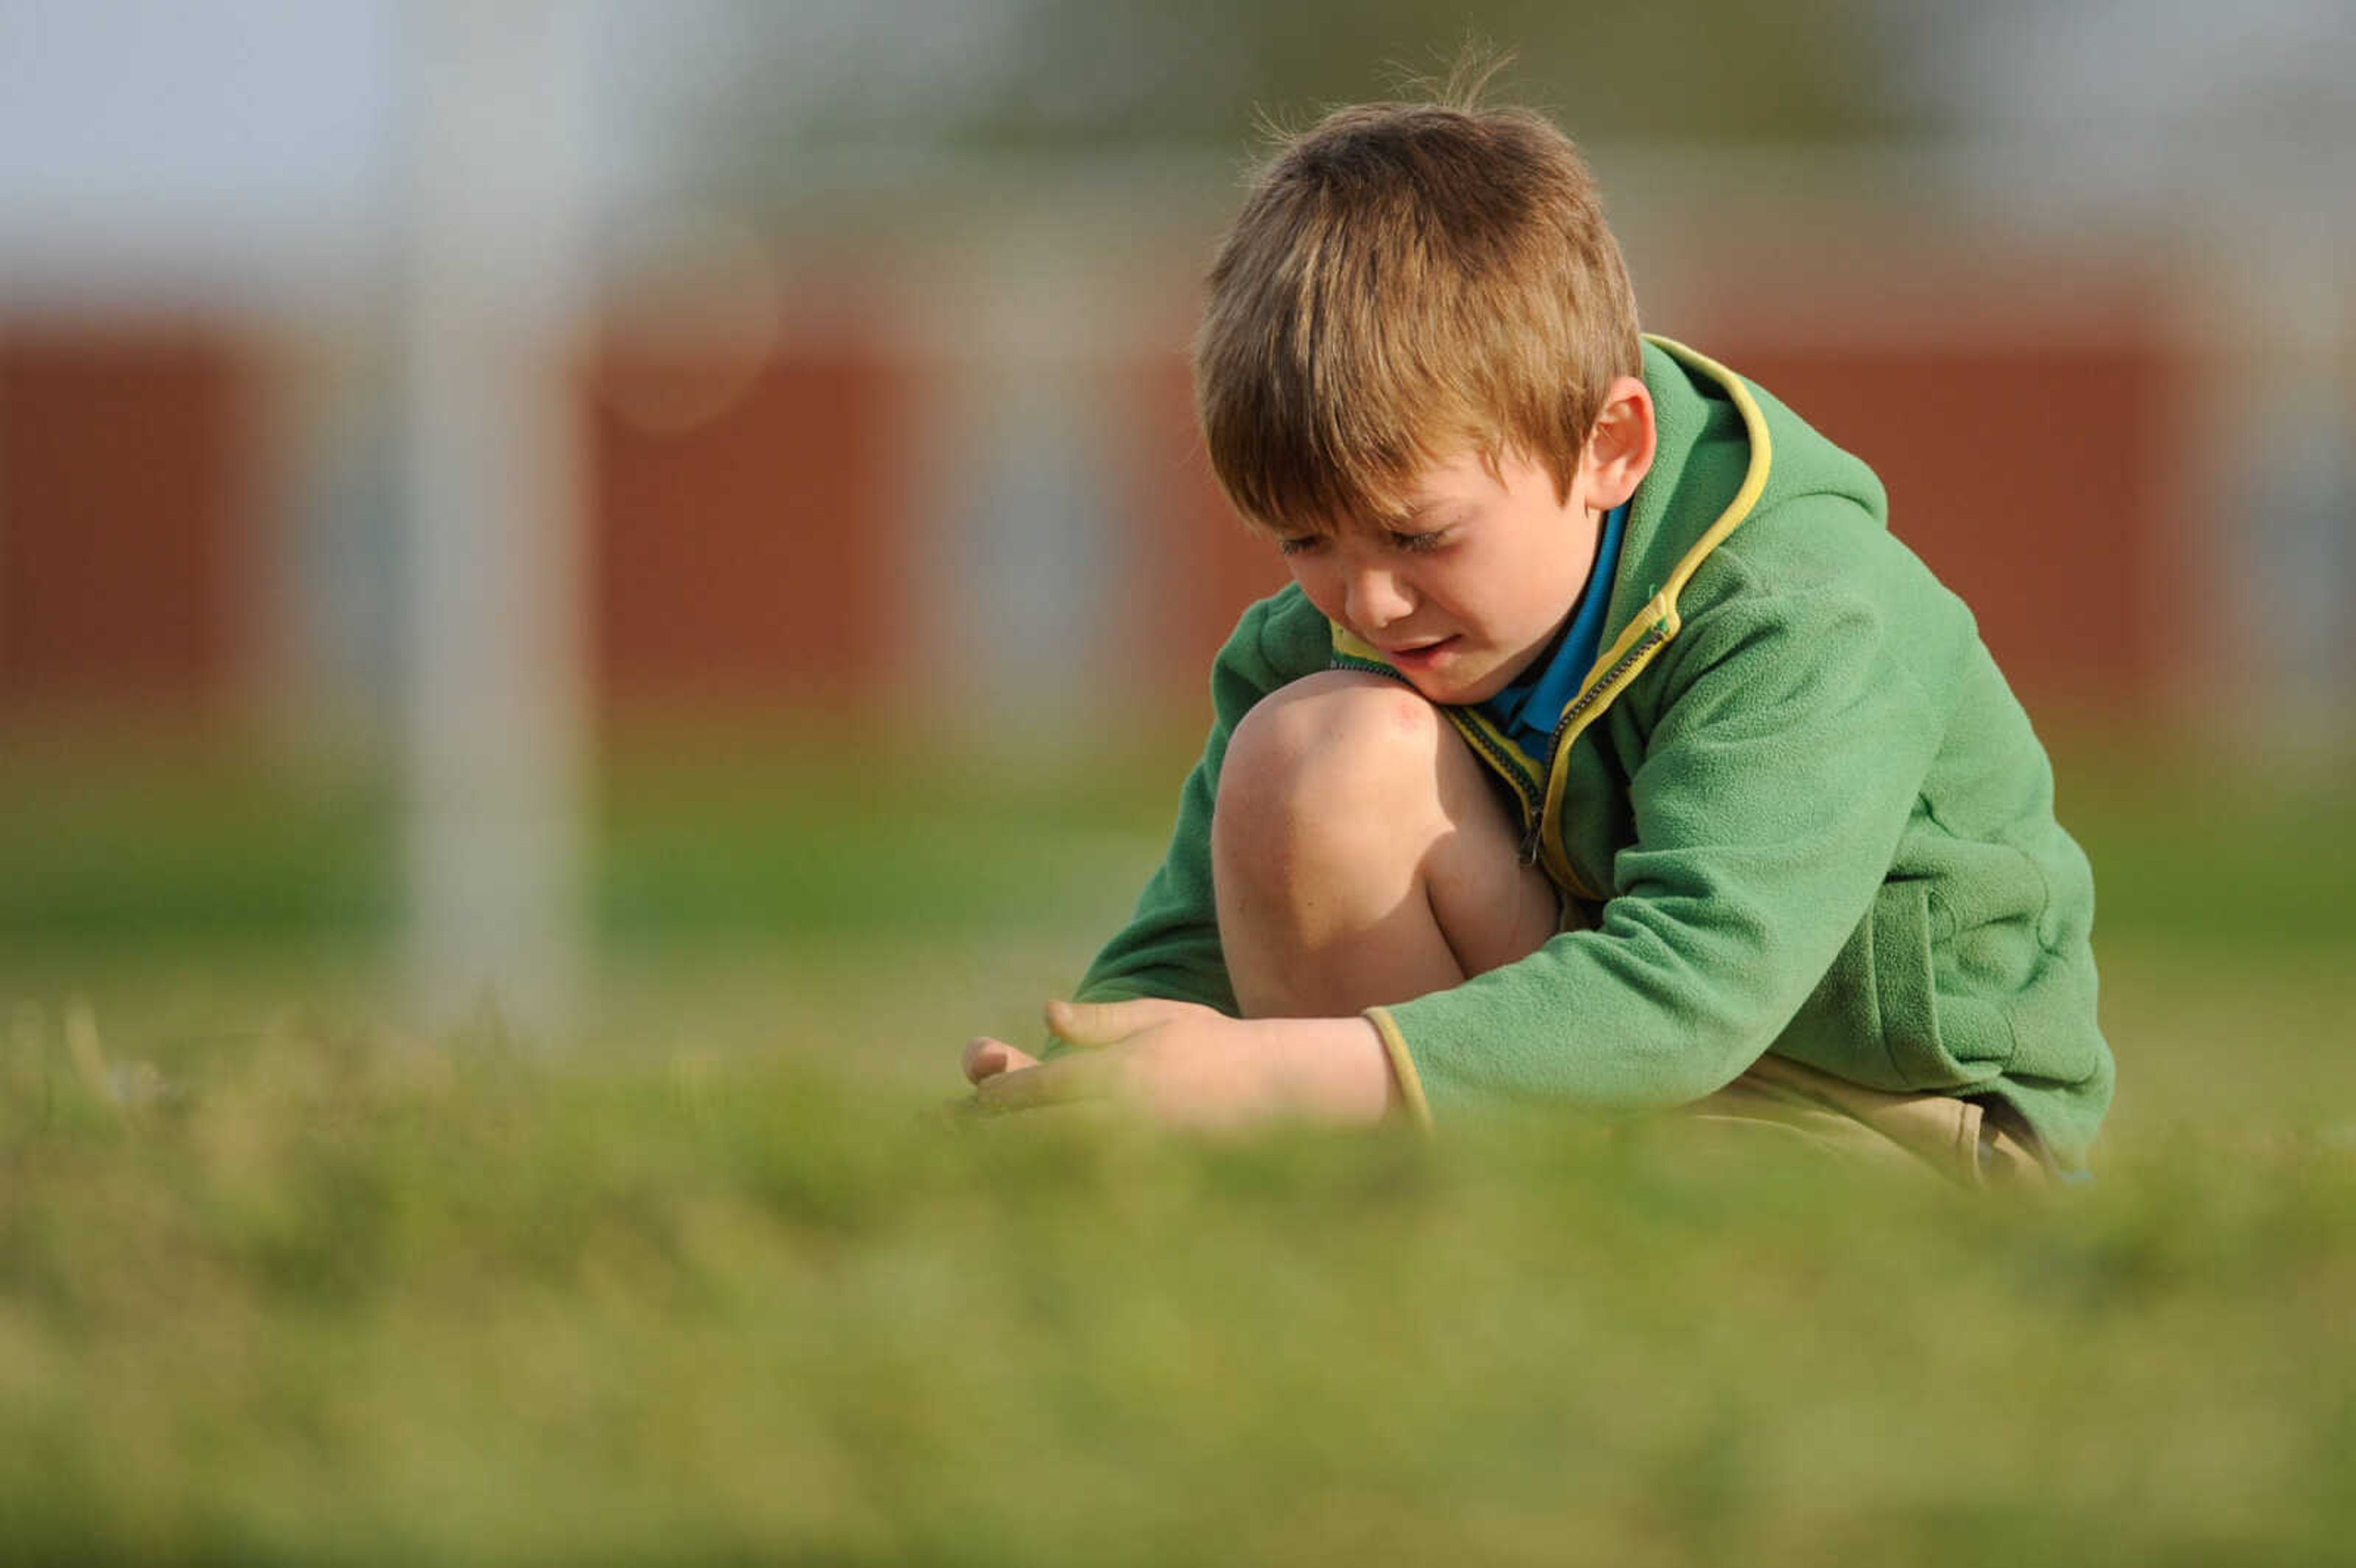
<point x="1170" y="947"/>
<point x="1788" y="749"/>
<point x="1185" y="1065"/>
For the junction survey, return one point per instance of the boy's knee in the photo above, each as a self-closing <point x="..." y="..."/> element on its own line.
<point x="1337" y="754"/>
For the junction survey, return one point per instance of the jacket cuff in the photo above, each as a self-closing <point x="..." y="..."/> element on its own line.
<point x="1410" y="1082"/>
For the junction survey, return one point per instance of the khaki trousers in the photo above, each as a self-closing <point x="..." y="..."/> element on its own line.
<point x="1975" y="1144"/>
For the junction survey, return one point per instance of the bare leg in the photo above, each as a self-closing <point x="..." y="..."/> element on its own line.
<point x="1361" y="857"/>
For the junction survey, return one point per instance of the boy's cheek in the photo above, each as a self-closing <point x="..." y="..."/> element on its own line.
<point x="1311" y="583"/>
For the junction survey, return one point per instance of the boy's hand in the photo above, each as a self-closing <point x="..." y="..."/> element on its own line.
<point x="1189" y="1065"/>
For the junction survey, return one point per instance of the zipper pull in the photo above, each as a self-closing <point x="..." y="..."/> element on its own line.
<point x="1530" y="838"/>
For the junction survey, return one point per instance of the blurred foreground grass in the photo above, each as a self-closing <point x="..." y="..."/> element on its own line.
<point x="282" y="1282"/>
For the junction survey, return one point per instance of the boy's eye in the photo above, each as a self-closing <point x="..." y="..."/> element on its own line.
<point x="1301" y="544"/>
<point x="1416" y="544"/>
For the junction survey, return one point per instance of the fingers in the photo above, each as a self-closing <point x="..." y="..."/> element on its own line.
<point x="987" y="1057"/>
<point x="1103" y="1023"/>
<point x="1005" y="1079"/>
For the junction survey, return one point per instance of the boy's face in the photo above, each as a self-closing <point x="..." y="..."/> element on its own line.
<point x="1463" y="594"/>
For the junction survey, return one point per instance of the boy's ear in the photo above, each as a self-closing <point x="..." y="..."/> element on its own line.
<point x="1620" y="449"/>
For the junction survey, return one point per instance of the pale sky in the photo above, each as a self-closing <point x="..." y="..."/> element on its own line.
<point x="237" y="108"/>
<point x="261" y="139"/>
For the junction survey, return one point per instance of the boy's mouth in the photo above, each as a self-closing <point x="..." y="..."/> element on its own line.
<point x="1419" y="655"/>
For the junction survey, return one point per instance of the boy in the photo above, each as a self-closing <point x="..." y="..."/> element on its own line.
<point x="1607" y="749"/>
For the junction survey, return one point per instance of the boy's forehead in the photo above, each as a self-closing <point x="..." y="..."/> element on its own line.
<point x="1451" y="470"/>
<point x="1464" y="470"/>
<point x="1375" y="514"/>
<point x="1436" y="485"/>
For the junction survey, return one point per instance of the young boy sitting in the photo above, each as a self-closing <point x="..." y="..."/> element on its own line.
<point x="1607" y="749"/>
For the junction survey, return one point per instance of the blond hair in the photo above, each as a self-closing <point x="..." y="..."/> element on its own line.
<point x="1405" y="278"/>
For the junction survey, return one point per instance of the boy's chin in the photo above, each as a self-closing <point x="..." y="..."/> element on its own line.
<point x="1455" y="689"/>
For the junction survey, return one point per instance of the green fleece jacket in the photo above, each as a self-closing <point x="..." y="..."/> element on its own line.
<point x="1794" y="798"/>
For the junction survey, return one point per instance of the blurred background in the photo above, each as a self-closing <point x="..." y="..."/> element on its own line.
<point x="680" y="518"/>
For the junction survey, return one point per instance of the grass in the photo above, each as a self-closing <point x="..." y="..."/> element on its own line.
<point x="281" y="1281"/>
<point x="360" y="1299"/>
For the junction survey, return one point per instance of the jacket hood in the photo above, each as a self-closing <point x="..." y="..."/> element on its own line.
<point x="1728" y="451"/>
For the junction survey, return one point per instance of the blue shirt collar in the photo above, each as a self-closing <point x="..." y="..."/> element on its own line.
<point x="1529" y="709"/>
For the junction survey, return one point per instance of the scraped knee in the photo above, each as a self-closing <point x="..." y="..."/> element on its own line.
<point x="1338" y="762"/>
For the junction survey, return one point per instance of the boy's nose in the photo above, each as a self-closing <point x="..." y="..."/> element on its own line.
<point x="1377" y="598"/>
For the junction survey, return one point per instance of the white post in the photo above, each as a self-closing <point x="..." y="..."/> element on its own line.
<point x="494" y="711"/>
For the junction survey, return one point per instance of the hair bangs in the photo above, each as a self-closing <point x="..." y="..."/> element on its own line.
<point x="1295" y="460"/>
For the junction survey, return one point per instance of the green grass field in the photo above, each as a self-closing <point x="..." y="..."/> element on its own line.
<point x="282" y="1279"/>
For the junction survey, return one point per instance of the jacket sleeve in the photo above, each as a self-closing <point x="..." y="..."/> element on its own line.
<point x="1171" y="946"/>
<point x="1789" y="740"/>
